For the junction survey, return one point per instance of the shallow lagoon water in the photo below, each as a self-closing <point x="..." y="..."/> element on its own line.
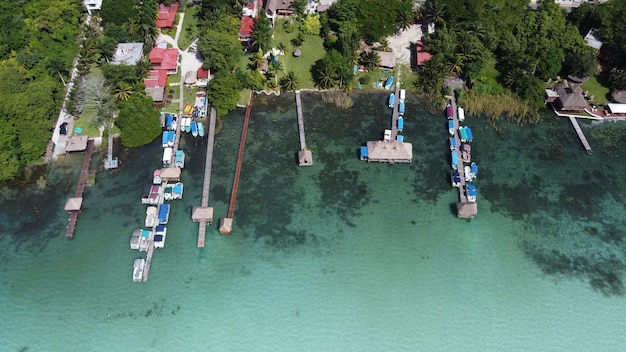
<point x="343" y="255"/>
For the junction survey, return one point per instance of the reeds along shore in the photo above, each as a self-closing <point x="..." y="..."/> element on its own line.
<point x="340" y="99"/>
<point x="495" y="107"/>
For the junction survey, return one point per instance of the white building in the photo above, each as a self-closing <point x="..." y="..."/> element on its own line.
<point x="93" y="5"/>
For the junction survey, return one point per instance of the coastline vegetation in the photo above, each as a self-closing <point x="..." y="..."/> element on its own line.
<point x="340" y="99"/>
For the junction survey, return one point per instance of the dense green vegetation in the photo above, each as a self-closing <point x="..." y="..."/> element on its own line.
<point x="37" y="45"/>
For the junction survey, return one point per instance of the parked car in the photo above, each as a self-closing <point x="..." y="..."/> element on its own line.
<point x="63" y="129"/>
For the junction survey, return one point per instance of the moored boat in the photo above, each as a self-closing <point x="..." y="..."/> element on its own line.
<point x="387" y="135"/>
<point x="135" y="239"/>
<point x="151" y="216"/>
<point x="451" y="127"/>
<point x="463" y="134"/>
<point x="144" y="240"/>
<point x="466" y="153"/>
<point x="392" y="100"/>
<point x="179" y="159"/>
<point x="452" y="144"/>
<point x="402" y="95"/>
<point x="470" y="135"/>
<point x="400" y="124"/>
<point x="164" y="214"/>
<point x="455" y="179"/>
<point x="150" y="194"/>
<point x="138" y="266"/>
<point x="474" y="169"/>
<point x="471" y="193"/>
<point x="156" y="177"/>
<point x="194" y="129"/>
<point x="389" y="82"/>
<point x="461" y="113"/>
<point x="177" y="191"/>
<point x="469" y="175"/>
<point x="449" y="111"/>
<point x="401" y="108"/>
<point x="455" y="160"/>
<point x="200" y="129"/>
<point x="159" y="236"/>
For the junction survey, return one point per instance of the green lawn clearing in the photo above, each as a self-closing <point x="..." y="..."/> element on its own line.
<point x="188" y="32"/>
<point x="595" y="89"/>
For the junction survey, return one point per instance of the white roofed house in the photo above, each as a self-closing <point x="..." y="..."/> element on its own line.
<point x="92" y="5"/>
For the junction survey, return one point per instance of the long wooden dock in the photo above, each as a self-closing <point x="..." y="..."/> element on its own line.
<point x="581" y="135"/>
<point x="80" y="188"/>
<point x="242" y="146"/>
<point x="208" y="165"/>
<point x="460" y="168"/>
<point x="300" y="121"/>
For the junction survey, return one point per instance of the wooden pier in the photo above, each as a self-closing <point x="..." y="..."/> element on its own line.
<point x="395" y="111"/>
<point x="76" y="206"/>
<point x="226" y="224"/>
<point x="581" y="135"/>
<point x="465" y="209"/>
<point x="305" y="157"/>
<point x="204" y="214"/>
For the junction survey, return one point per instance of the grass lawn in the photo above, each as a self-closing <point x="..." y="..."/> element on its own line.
<point x="187" y="33"/>
<point x="88" y="128"/>
<point x="244" y="97"/>
<point x="596" y="89"/>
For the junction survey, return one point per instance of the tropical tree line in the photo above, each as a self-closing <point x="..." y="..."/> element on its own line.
<point x="525" y="46"/>
<point x="37" y="45"/>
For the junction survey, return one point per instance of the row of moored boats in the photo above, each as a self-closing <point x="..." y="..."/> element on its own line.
<point x="465" y="137"/>
<point x="186" y="124"/>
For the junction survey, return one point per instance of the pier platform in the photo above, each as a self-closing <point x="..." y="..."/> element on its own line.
<point x="204" y="214"/>
<point x="465" y="209"/>
<point x="74" y="204"/>
<point x="305" y="157"/>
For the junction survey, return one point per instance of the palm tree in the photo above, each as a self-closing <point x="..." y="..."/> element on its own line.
<point x="455" y="66"/>
<point x="356" y="57"/>
<point x="257" y="60"/>
<point x="371" y="60"/>
<point x="275" y="67"/>
<point x="290" y="81"/>
<point x="404" y="19"/>
<point x="326" y="78"/>
<point x="384" y="45"/>
<point x="123" y="91"/>
<point x="436" y="11"/>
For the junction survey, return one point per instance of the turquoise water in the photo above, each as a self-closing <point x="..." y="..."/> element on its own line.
<point x="340" y="256"/>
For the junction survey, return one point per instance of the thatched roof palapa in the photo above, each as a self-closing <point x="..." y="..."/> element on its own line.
<point x="170" y="174"/>
<point x="389" y="151"/>
<point x="202" y="214"/>
<point x="74" y="204"/>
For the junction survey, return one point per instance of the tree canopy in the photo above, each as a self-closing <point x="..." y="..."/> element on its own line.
<point x="138" y="121"/>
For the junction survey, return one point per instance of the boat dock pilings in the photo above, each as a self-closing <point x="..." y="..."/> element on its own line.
<point x="465" y="209"/>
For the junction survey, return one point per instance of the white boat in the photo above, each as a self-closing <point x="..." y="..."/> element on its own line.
<point x="138" y="267"/>
<point x="134" y="239"/>
<point x="151" y="216"/>
<point x="144" y="240"/>
<point x="460" y="113"/>
<point x="156" y="177"/>
<point x="387" y="136"/>
<point x="469" y="175"/>
<point x="470" y="191"/>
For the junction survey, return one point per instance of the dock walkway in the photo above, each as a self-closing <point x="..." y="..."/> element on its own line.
<point x="581" y="135"/>
<point x="395" y="112"/>
<point x="460" y="168"/>
<point x="300" y="121"/>
<point x="242" y="146"/>
<point x="208" y="165"/>
<point x="80" y="188"/>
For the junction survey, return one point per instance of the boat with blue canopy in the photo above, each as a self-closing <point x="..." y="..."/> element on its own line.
<point x="200" y="129"/>
<point x="471" y="192"/>
<point x="400" y="124"/>
<point x="194" y="129"/>
<point x="364" y="153"/>
<point x="455" y="160"/>
<point x="400" y="138"/>
<point x="451" y="127"/>
<point x="389" y="82"/>
<point x="463" y="134"/>
<point x="474" y="168"/>
<point x="452" y="144"/>
<point x="164" y="214"/>
<point x="392" y="100"/>
<point x="470" y="135"/>
<point x="455" y="179"/>
<point x="401" y="108"/>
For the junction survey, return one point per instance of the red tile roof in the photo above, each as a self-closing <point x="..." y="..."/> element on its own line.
<point x="156" y="78"/>
<point x="247" y="27"/>
<point x="203" y="73"/>
<point x="422" y="56"/>
<point x="164" y="59"/>
<point x="167" y="15"/>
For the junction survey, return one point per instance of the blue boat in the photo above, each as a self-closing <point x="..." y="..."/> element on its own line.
<point x="452" y="144"/>
<point x="164" y="138"/>
<point x="463" y="134"/>
<point x="474" y="168"/>
<point x="470" y="136"/>
<point x="455" y="160"/>
<point x="200" y="129"/>
<point x="164" y="213"/>
<point x="170" y="138"/>
<point x="400" y="124"/>
<point x="194" y="129"/>
<point x="400" y="138"/>
<point x="169" y="121"/>
<point x="392" y="100"/>
<point x="401" y="108"/>
<point x="455" y="179"/>
<point x="471" y="192"/>
<point x="389" y="82"/>
<point x="363" y="153"/>
<point x="451" y="127"/>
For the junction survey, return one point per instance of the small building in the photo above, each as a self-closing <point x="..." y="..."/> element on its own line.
<point x="305" y="158"/>
<point x="155" y="85"/>
<point x="593" y="39"/>
<point x="170" y="174"/>
<point x="246" y="28"/>
<point x="128" y="54"/>
<point x="199" y="214"/>
<point x="617" y="109"/>
<point x="164" y="59"/>
<point x="203" y="77"/>
<point x="93" y="5"/>
<point x="421" y="55"/>
<point x="74" y="204"/>
<point x="466" y="210"/>
<point x="226" y="226"/>
<point x="167" y="15"/>
<point x="275" y="8"/>
<point x="570" y="97"/>
<point x="76" y="144"/>
<point x="389" y="152"/>
<point x="387" y="59"/>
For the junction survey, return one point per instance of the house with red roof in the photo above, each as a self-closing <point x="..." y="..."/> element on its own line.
<point x="203" y="77"/>
<point x="249" y="14"/>
<point x="164" y="59"/>
<point x="421" y="54"/>
<point x="167" y="15"/>
<point x="155" y="85"/>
